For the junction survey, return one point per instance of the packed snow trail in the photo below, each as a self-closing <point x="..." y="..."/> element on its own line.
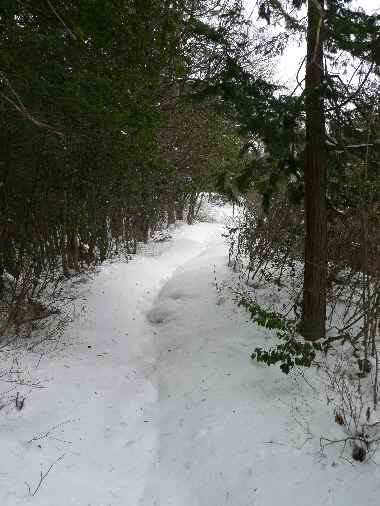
<point x="156" y="402"/>
<point x="97" y="395"/>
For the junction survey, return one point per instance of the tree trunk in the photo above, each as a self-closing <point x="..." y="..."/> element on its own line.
<point x="191" y="210"/>
<point x="171" y="213"/>
<point x="179" y="207"/>
<point x="314" y="289"/>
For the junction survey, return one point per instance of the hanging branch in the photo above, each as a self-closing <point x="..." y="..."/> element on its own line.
<point x="17" y="104"/>
<point x="61" y="20"/>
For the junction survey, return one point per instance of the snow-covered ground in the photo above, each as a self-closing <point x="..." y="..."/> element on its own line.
<point x="152" y="399"/>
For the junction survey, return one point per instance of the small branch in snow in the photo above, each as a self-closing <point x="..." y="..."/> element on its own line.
<point x="22" y="383"/>
<point x="42" y="477"/>
<point x="50" y="432"/>
<point x="274" y="443"/>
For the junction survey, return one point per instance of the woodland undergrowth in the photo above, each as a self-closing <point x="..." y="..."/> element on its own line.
<point x="266" y="248"/>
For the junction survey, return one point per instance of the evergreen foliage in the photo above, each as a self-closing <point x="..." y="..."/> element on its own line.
<point x="116" y="115"/>
<point x="96" y="143"/>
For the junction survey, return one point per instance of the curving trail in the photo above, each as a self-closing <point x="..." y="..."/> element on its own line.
<point x="154" y="401"/>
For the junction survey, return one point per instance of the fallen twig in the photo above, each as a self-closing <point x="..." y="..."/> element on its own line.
<point x="42" y="477"/>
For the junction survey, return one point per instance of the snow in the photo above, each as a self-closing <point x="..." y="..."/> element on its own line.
<point x="151" y="398"/>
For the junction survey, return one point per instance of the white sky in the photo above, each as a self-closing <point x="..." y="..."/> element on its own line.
<point x="294" y="54"/>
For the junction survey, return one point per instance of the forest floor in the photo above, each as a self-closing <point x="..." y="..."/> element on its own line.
<point x="151" y="399"/>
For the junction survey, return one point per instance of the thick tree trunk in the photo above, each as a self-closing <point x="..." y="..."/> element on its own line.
<point x="314" y="289"/>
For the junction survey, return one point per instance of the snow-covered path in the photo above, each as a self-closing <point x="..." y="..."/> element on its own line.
<point x="100" y="393"/>
<point x="156" y="402"/>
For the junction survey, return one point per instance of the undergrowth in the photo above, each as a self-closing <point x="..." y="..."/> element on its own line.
<point x="290" y="351"/>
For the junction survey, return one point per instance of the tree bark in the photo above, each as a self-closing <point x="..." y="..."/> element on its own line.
<point x="171" y="213"/>
<point x="191" y="210"/>
<point x="314" y="289"/>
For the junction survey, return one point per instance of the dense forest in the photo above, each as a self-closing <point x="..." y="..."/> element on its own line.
<point x="98" y="148"/>
<point x="116" y="116"/>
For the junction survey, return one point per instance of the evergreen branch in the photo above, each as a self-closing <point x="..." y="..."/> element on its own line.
<point x="292" y="21"/>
